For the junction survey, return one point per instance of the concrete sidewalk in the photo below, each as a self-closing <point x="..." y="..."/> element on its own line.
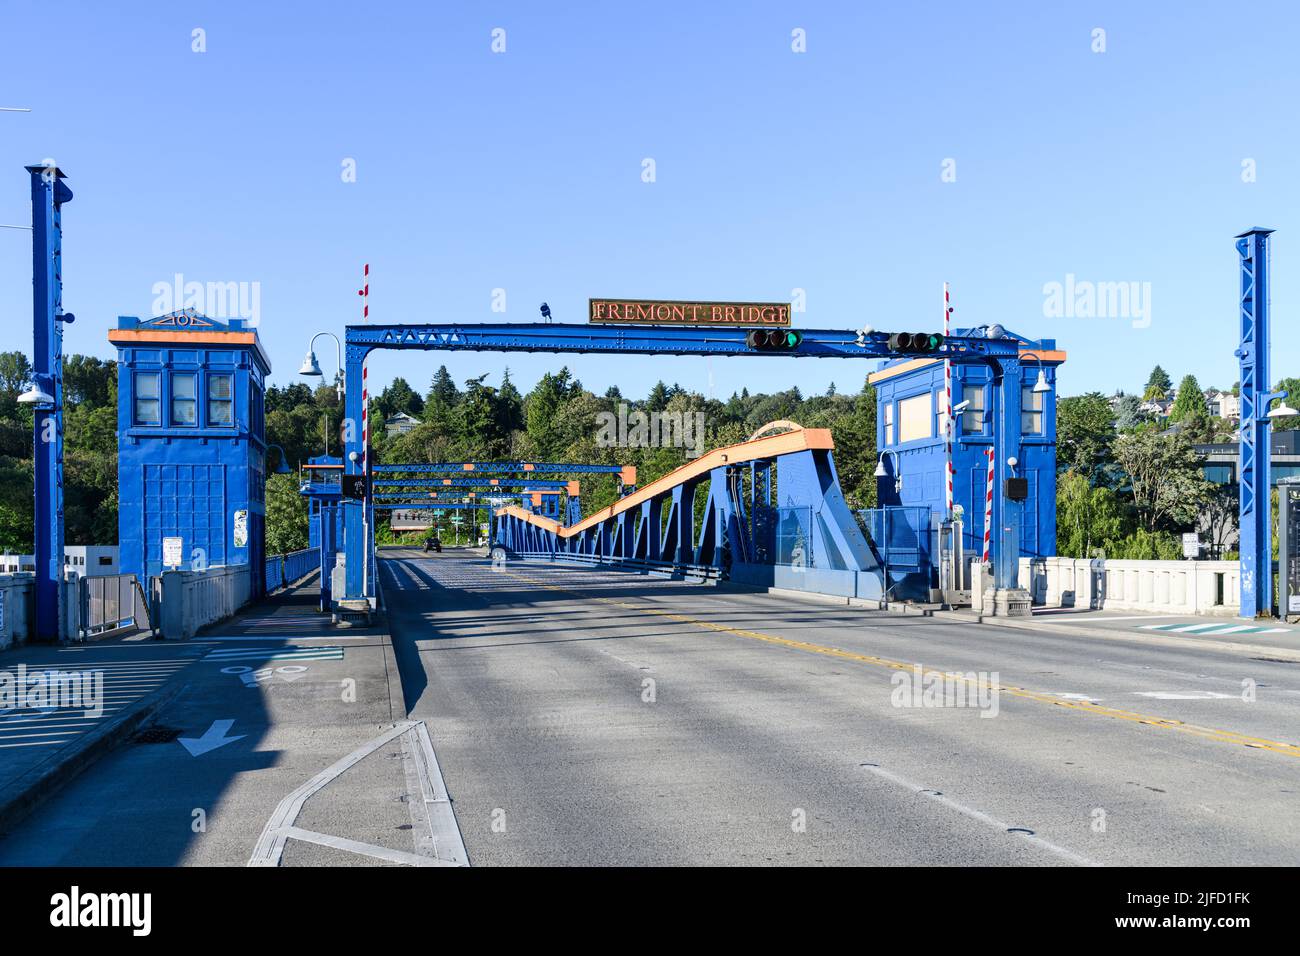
<point x="48" y="738"/>
<point x="286" y="744"/>
<point x="1260" y="637"/>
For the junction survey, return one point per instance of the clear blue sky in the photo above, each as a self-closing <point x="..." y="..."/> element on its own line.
<point x="775" y="170"/>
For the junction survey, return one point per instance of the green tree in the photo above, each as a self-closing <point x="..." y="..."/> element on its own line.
<point x="286" y="515"/>
<point x="1087" y="517"/>
<point x="1158" y="384"/>
<point x="442" y="389"/>
<point x="1164" y="476"/>
<point x="1190" y="404"/>
<point x="1084" y="433"/>
<point x="1128" y="413"/>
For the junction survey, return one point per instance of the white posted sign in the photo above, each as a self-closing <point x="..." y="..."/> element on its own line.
<point x="173" y="549"/>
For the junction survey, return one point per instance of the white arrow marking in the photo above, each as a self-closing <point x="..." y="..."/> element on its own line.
<point x="213" y="737"/>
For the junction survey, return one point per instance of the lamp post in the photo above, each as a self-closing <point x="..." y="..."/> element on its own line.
<point x="311" y="367"/>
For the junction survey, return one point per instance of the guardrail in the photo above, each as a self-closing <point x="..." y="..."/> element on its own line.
<point x="284" y="569"/>
<point x="1174" y="587"/>
<point x="108" y="602"/>
<point x="690" y="572"/>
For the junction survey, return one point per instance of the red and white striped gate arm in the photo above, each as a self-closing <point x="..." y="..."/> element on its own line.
<point x="988" y="507"/>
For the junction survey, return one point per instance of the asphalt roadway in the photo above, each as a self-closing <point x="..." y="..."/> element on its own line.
<point x="599" y="717"/>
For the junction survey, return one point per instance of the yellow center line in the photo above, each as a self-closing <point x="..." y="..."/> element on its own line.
<point x="1087" y="707"/>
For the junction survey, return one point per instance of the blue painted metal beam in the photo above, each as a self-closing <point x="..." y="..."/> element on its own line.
<point x="537" y="484"/>
<point x="1255" y="502"/>
<point x="648" y="340"/>
<point x="495" y="468"/>
<point x="49" y="193"/>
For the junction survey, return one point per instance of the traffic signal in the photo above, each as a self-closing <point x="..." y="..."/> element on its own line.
<point x="922" y="343"/>
<point x="354" y="486"/>
<point x="773" y="340"/>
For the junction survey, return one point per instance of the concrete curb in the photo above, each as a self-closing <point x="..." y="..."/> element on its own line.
<point x="45" y="779"/>
<point x="813" y="597"/>
<point x="1148" y="637"/>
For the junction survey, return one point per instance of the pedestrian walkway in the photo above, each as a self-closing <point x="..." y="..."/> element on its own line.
<point x="60" y="693"/>
<point x="1232" y="633"/>
<point x="1219" y="627"/>
<point x="63" y="706"/>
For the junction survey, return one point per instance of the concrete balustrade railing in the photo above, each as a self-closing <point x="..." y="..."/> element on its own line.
<point x="191" y="600"/>
<point x="1170" y="587"/>
<point x="17" y="591"/>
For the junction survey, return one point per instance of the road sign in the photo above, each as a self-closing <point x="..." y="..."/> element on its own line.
<point x="173" y="552"/>
<point x="1191" y="545"/>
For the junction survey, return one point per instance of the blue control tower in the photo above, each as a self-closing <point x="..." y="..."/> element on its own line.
<point x="910" y="419"/>
<point x="191" y="444"/>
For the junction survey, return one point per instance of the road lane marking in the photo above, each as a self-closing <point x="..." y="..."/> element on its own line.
<point x="980" y="816"/>
<point x="1087" y="707"/>
<point x="274" y="654"/>
<point x="363" y="849"/>
<point x="280" y="827"/>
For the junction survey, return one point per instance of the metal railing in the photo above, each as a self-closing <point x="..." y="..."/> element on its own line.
<point x="109" y="602"/>
<point x="284" y="569"/>
<point x="702" y="572"/>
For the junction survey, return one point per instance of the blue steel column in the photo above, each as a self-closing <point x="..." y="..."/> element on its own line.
<point x="1005" y="540"/>
<point x="353" y="511"/>
<point x="1255" y="504"/>
<point x="48" y="196"/>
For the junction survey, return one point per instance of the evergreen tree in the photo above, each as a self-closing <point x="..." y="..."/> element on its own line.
<point x="1158" y="384"/>
<point x="442" y="389"/>
<point x="1190" y="404"/>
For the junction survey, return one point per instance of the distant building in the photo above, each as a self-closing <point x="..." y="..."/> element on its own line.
<point x="1220" y="461"/>
<point x="400" y="424"/>
<point x="1223" y="405"/>
<point x="82" y="560"/>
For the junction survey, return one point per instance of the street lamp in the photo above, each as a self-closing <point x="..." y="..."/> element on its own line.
<point x="882" y="472"/>
<point x="1041" y="385"/>
<point x="1283" y="410"/>
<point x="36" y="394"/>
<point x="311" y="367"/>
